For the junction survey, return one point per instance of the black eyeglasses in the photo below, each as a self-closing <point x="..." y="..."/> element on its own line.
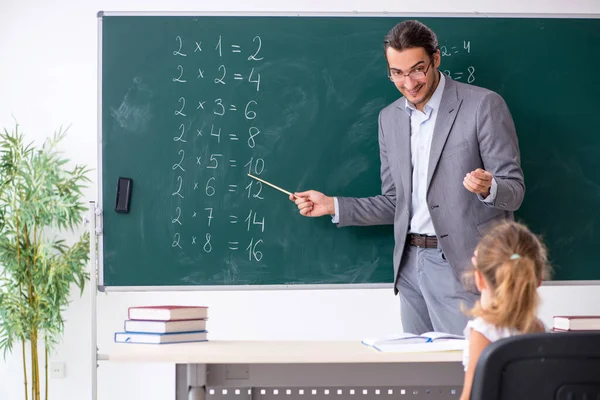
<point x="416" y="74"/>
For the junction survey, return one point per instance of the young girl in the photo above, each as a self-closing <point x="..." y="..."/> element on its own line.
<point x="509" y="265"/>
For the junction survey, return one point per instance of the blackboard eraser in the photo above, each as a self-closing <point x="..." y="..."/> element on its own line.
<point x="123" y="195"/>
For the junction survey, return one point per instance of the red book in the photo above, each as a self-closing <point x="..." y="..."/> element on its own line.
<point x="167" y="313"/>
<point x="577" y="322"/>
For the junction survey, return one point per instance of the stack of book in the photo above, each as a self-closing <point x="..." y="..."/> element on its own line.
<point x="566" y="323"/>
<point x="164" y="324"/>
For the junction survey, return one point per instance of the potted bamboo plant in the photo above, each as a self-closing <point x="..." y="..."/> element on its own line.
<point x="42" y="256"/>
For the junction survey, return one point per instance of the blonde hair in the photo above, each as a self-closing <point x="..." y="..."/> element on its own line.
<point x="513" y="261"/>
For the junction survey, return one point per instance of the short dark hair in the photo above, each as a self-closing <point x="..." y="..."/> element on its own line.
<point x="410" y="34"/>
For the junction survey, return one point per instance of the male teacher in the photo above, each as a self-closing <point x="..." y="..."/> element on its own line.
<point x="450" y="167"/>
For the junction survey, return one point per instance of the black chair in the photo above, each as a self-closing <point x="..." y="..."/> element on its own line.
<point x="544" y="366"/>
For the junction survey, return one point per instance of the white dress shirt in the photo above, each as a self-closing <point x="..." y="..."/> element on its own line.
<point x="421" y="134"/>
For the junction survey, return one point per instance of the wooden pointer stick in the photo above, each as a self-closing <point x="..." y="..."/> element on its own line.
<point x="270" y="184"/>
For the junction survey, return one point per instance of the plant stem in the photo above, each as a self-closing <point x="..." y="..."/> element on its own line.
<point x="36" y="307"/>
<point x="17" y="235"/>
<point x="24" y="367"/>
<point x="32" y="296"/>
<point x="46" y="365"/>
<point x="34" y="372"/>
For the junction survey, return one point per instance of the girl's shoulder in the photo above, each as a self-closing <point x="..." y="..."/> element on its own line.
<point x="490" y="331"/>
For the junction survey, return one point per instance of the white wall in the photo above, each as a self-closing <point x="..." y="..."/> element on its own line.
<point x="48" y="78"/>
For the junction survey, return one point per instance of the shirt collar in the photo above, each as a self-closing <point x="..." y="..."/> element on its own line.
<point x="434" y="101"/>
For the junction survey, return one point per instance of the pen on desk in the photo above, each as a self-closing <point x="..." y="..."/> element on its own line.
<point x="270" y="184"/>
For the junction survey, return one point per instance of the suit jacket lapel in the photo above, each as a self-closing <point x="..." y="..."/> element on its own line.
<point x="446" y="114"/>
<point x="402" y="146"/>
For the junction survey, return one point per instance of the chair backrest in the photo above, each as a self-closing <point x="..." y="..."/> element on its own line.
<point x="559" y="366"/>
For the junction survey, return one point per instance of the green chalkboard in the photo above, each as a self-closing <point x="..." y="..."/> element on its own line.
<point x="191" y="104"/>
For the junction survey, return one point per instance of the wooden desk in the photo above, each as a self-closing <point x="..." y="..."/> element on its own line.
<point x="298" y="370"/>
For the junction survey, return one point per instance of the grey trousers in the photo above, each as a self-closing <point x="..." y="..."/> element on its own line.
<point x="431" y="293"/>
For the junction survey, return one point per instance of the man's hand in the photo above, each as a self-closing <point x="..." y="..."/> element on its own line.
<point x="313" y="204"/>
<point x="478" y="182"/>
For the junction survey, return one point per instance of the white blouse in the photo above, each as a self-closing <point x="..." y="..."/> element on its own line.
<point x="489" y="331"/>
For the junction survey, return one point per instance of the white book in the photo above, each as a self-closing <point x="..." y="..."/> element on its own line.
<point x="160" y="338"/>
<point x="424" y="347"/>
<point x="577" y="322"/>
<point x="410" y="338"/>
<point x="142" y="326"/>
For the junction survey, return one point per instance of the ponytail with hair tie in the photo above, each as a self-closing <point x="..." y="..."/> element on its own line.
<point x="512" y="261"/>
<point x="515" y="295"/>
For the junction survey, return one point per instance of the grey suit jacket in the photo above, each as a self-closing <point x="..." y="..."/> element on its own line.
<point x="474" y="129"/>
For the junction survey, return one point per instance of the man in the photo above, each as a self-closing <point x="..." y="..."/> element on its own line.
<point x="450" y="167"/>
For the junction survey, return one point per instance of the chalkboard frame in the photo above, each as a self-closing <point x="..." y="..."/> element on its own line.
<point x="355" y="14"/>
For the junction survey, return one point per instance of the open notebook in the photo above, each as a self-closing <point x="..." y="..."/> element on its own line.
<point x="411" y="343"/>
